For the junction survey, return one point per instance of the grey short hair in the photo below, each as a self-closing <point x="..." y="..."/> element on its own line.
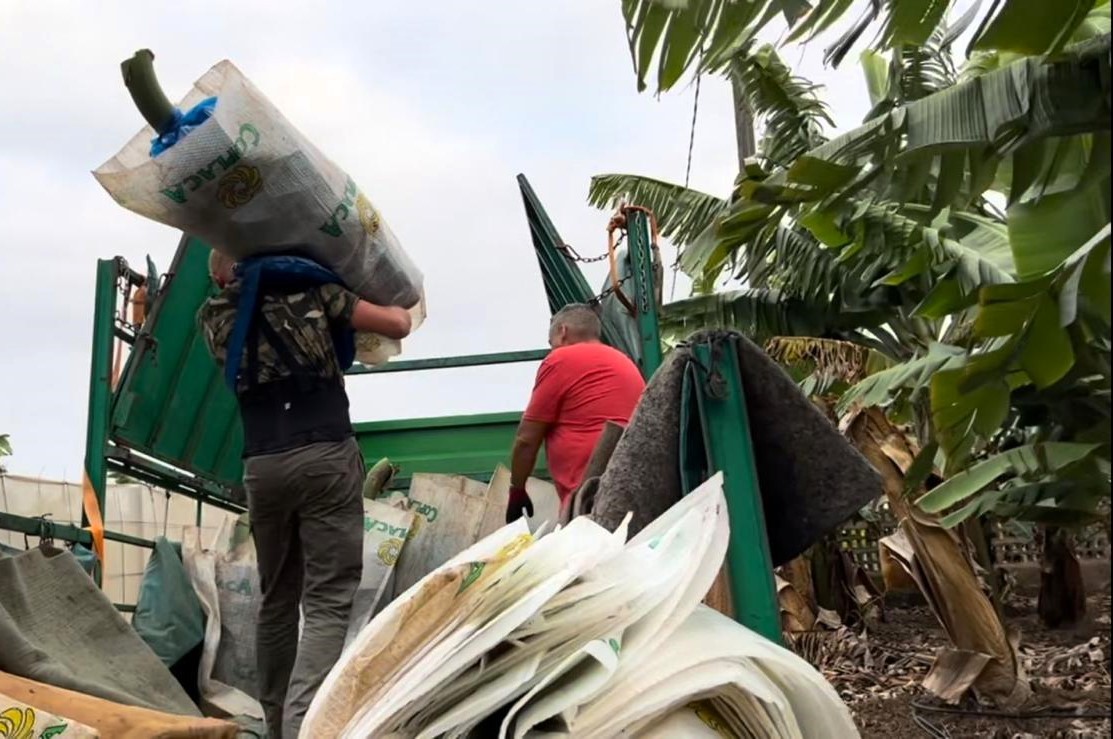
<point x="580" y="319"/>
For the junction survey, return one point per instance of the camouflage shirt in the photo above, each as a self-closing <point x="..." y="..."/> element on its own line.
<point x="302" y="318"/>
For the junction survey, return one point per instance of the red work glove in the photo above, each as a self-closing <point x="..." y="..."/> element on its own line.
<point x="519" y="501"/>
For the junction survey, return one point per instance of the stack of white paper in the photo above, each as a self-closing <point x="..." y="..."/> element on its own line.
<point x="575" y="633"/>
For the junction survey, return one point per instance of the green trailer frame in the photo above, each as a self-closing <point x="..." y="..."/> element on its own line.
<point x="169" y="420"/>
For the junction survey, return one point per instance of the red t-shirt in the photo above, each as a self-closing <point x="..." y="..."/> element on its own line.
<point x="578" y="389"/>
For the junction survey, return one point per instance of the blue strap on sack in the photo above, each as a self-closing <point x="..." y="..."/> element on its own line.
<point x="288" y="273"/>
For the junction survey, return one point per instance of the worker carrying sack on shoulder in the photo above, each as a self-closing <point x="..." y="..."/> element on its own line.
<point x="258" y="275"/>
<point x="226" y="166"/>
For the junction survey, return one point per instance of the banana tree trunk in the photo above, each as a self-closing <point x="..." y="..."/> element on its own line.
<point x="825" y="585"/>
<point x="944" y="571"/>
<point x="1062" y="599"/>
<point x="975" y="531"/>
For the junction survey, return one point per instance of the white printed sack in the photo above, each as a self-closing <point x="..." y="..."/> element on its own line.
<point x="247" y="182"/>
<point x="225" y="577"/>
<point x="385" y="532"/>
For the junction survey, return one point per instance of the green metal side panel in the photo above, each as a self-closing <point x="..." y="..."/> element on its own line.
<point x="463" y="445"/>
<point x="171" y="403"/>
<point x="564" y="283"/>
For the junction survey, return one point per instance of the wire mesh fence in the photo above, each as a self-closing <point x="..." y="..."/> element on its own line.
<point x="1012" y="544"/>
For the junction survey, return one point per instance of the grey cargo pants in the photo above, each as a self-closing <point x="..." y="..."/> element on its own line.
<point x="307" y="518"/>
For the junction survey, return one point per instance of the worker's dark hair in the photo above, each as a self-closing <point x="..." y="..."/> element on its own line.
<point x="580" y="319"/>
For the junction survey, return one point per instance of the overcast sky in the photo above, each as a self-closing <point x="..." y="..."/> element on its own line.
<point x="432" y="107"/>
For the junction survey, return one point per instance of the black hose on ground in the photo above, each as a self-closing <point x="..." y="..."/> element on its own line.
<point x="1046" y="713"/>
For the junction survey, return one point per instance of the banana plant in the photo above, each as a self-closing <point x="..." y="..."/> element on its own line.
<point x="670" y="38"/>
<point x="899" y="203"/>
<point x="971" y="208"/>
<point x="895" y="227"/>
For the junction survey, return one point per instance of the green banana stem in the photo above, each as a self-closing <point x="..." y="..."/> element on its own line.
<point x="378" y="477"/>
<point x="140" y="79"/>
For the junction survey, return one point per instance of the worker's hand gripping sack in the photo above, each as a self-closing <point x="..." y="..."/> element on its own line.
<point x="244" y="180"/>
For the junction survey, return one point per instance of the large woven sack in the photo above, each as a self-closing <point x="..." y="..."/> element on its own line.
<point x="248" y="182"/>
<point x="168" y="614"/>
<point x="226" y="580"/>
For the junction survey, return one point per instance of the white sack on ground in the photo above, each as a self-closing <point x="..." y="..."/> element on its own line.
<point x="226" y="580"/>
<point x="711" y="655"/>
<point x="246" y="181"/>
<point x="452" y="512"/>
<point x="385" y="530"/>
<point x="489" y="645"/>
<point x="364" y="665"/>
<point x="535" y="577"/>
<point x="543" y="494"/>
<point x="689" y="722"/>
<point x="670" y="559"/>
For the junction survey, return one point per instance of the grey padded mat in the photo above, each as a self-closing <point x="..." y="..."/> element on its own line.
<point x="811" y="478"/>
<point x="58" y="628"/>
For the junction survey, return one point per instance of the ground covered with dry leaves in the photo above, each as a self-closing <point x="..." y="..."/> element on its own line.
<point x="878" y="670"/>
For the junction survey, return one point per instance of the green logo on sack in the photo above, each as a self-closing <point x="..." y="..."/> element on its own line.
<point x="341" y="211"/>
<point x="239" y="186"/>
<point x="424" y="509"/>
<point x="368" y="216"/>
<point x="473" y="575"/>
<point x="709" y="716"/>
<point x="248" y="139"/>
<point x="373" y="524"/>
<point x="389" y="551"/>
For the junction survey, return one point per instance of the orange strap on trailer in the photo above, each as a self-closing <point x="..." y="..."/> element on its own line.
<point x="119" y="345"/>
<point x="618" y="222"/>
<point x="92" y="513"/>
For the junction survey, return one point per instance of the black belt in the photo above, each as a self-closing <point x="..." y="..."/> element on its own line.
<point x="285" y="414"/>
<point x="305" y="407"/>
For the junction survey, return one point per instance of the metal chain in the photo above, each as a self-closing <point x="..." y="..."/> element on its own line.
<point x="572" y="254"/>
<point x="608" y="292"/>
<point x="611" y="289"/>
<point x="569" y="251"/>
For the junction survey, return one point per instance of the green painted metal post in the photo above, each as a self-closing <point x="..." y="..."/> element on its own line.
<point x="640" y="246"/>
<point x="729" y="448"/>
<point x="100" y="386"/>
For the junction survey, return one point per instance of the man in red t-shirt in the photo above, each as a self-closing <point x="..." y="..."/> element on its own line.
<point x="581" y="385"/>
